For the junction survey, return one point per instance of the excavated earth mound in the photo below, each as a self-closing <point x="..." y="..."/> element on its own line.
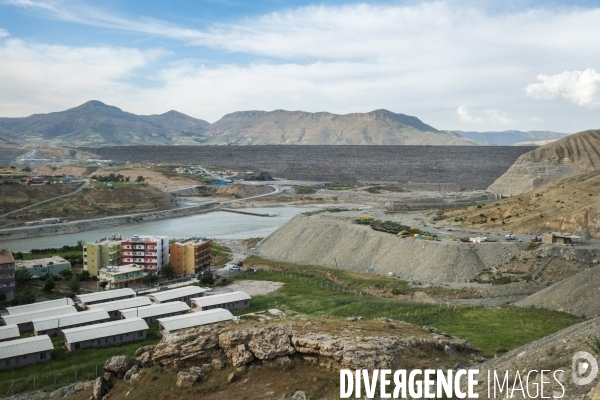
<point x="554" y="352"/>
<point x="337" y="242"/>
<point x="578" y="295"/>
<point x="573" y="155"/>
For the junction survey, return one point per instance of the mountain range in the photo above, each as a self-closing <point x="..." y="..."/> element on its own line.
<point x="97" y="124"/>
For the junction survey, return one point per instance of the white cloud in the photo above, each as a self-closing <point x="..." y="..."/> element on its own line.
<point x="4" y="33"/>
<point x="41" y="78"/>
<point x="423" y="59"/>
<point x="581" y="88"/>
<point x="483" y="117"/>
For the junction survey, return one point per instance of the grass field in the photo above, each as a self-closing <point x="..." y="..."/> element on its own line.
<point x="495" y="330"/>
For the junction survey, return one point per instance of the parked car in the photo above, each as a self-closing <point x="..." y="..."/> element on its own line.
<point x="510" y="236"/>
<point x="536" y="238"/>
<point x="234" y="267"/>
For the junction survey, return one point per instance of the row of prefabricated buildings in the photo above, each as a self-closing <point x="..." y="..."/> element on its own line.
<point x="108" y="318"/>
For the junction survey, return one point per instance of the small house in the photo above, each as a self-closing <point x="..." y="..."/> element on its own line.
<point x="152" y="313"/>
<point x="106" y="334"/>
<point x="113" y="307"/>
<point x="25" y="321"/>
<point x="184" y="294"/>
<point x="190" y="320"/>
<point x="51" y="325"/>
<point x="85" y="300"/>
<point x="9" y="332"/>
<point x="43" y="305"/>
<point x="228" y="301"/>
<point x="27" y="351"/>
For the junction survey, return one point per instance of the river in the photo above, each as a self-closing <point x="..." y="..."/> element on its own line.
<point x="217" y="225"/>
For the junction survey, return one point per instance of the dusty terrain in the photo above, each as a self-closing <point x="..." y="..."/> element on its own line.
<point x="15" y="196"/>
<point x="96" y="201"/>
<point x="570" y="205"/>
<point x="152" y="177"/>
<point x="573" y="155"/>
<point x="253" y="288"/>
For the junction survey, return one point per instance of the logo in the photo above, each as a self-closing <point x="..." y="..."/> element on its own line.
<point x="584" y="363"/>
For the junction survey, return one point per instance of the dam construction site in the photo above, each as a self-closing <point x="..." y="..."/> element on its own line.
<point x="366" y="273"/>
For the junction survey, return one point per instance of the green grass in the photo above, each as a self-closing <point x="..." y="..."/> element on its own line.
<point x="491" y="329"/>
<point x="66" y="368"/>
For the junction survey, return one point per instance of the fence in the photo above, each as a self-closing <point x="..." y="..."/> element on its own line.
<point x="388" y="307"/>
<point x="47" y="382"/>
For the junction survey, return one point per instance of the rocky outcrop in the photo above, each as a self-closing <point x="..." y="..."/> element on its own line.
<point x="273" y="344"/>
<point x="119" y="365"/>
<point x="573" y="155"/>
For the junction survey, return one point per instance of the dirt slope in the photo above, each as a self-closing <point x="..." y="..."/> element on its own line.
<point x="579" y="295"/>
<point x="336" y="241"/>
<point x="564" y="158"/>
<point x="571" y="205"/>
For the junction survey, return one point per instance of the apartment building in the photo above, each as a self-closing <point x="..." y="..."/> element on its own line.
<point x="101" y="254"/>
<point x="190" y="256"/>
<point x="122" y="276"/>
<point x="151" y="252"/>
<point x="7" y="274"/>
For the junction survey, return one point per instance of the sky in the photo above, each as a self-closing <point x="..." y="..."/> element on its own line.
<point x="459" y="65"/>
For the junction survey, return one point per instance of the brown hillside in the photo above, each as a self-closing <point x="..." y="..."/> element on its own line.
<point x="569" y="205"/>
<point x="573" y="155"/>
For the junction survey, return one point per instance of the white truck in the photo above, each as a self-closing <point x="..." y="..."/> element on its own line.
<point x="510" y="236"/>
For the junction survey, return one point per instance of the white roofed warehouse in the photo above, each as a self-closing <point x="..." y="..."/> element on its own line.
<point x="9" y="332"/>
<point x="228" y="301"/>
<point x="184" y="294"/>
<point x="85" y="300"/>
<point x="27" y="351"/>
<point x="151" y="313"/>
<point x="190" y="320"/>
<point x="113" y="307"/>
<point x="39" y="306"/>
<point x="51" y="325"/>
<point x="25" y="320"/>
<point x="106" y="334"/>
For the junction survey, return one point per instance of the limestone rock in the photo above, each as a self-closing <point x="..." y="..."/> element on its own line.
<point x="231" y="378"/>
<point x="118" y="365"/>
<point x="300" y="395"/>
<point x="145" y="359"/>
<point x="99" y="389"/>
<point x="129" y="374"/>
<point x="185" y="379"/>
<point x="144" y="349"/>
<point x="240" y="355"/>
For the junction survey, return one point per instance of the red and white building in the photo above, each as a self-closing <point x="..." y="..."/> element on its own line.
<point x="151" y="252"/>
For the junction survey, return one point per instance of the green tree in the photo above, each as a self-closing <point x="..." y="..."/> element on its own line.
<point x="207" y="278"/>
<point x="150" y="279"/>
<point x="103" y="284"/>
<point x="22" y="276"/>
<point x="84" y="275"/>
<point x="74" y="285"/>
<point x="168" y="271"/>
<point x="66" y="273"/>
<point x="140" y="179"/>
<point x="49" y="285"/>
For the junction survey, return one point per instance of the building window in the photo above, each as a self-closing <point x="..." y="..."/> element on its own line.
<point x="141" y="334"/>
<point x="11" y="362"/>
<point x="76" y="346"/>
<point x="42" y="356"/>
<point x="118" y="338"/>
<point x="102" y="341"/>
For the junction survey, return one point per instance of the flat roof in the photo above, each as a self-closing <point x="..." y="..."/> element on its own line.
<point x="155" y="309"/>
<point x="109" y="306"/>
<point x="9" y="332"/>
<point x="105" y="329"/>
<point x="39" y="306"/>
<point x="82" y="317"/>
<point x="176" y="293"/>
<point x="121" y="269"/>
<point x="30" y="316"/>
<point x="215" y="299"/>
<point x="41" y="262"/>
<point x="105" y="295"/>
<point x="30" y="345"/>
<point x="195" y="319"/>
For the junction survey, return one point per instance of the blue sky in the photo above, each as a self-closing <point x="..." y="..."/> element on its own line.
<point x="466" y="65"/>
